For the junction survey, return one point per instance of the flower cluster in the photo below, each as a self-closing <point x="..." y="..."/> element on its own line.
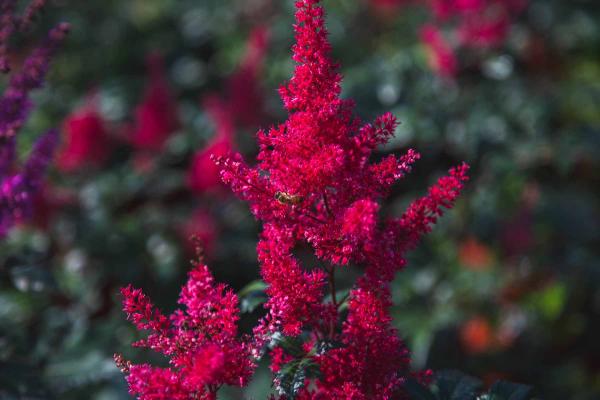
<point x="458" y="24"/>
<point x="19" y="186"/>
<point x="245" y="96"/>
<point x="156" y="116"/>
<point x="475" y="24"/>
<point x="86" y="140"/>
<point x="242" y="106"/>
<point x="315" y="187"/>
<point x="203" y="174"/>
<point x="480" y="23"/>
<point x="200" y="342"/>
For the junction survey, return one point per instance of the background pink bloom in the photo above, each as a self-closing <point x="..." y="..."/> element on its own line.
<point x="441" y="55"/>
<point x="156" y="116"/>
<point x="200" y="226"/>
<point x="203" y="173"/>
<point x="85" y="139"/>
<point x="245" y="96"/>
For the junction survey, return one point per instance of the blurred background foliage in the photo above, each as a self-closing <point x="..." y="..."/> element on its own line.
<point x="507" y="285"/>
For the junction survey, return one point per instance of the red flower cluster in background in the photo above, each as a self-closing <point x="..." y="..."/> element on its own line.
<point x="314" y="187"/>
<point x="85" y="139"/>
<point x="456" y="24"/>
<point x="203" y="174"/>
<point x="479" y="23"/>
<point x="245" y="97"/>
<point x="440" y="54"/>
<point x="156" y="116"/>
<point x="241" y="107"/>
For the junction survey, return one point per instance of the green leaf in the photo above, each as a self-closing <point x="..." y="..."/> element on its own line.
<point x="252" y="296"/>
<point x="253" y="287"/>
<point x="250" y="303"/>
<point x="454" y="385"/>
<point x="291" y="377"/>
<point x="503" y="390"/>
<point x="418" y="391"/>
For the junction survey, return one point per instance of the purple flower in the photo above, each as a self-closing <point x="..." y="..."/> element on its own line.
<point x="17" y="190"/>
<point x="18" y="186"/>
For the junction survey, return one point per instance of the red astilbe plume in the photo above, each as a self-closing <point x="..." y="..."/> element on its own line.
<point x="463" y="24"/>
<point x="243" y="106"/>
<point x="156" y="116"/>
<point x="200" y="341"/>
<point x="440" y="54"/>
<point x="314" y="189"/>
<point x="86" y="141"/>
<point x="314" y="184"/>
<point x="203" y="174"/>
<point x="245" y="96"/>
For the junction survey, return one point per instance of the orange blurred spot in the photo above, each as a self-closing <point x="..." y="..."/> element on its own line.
<point x="475" y="255"/>
<point x="477" y="335"/>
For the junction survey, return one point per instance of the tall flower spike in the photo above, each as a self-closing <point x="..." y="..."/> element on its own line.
<point x="20" y="187"/>
<point x="315" y="189"/>
<point x="314" y="184"/>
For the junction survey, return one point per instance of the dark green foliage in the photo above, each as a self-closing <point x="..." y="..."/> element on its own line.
<point x="454" y="385"/>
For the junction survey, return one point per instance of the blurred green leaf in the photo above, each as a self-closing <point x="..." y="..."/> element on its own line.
<point x="503" y="390"/>
<point x="252" y="295"/>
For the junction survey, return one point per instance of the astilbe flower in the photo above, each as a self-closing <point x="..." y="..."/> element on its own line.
<point x="478" y="24"/>
<point x="156" y="116"/>
<point x="314" y="188"/>
<point x="441" y="56"/>
<point x="203" y="174"/>
<point x="245" y="97"/>
<point x="241" y="107"/>
<point x="314" y="184"/>
<point x="86" y="140"/>
<point x="200" y="341"/>
<point x="460" y="24"/>
<point x="19" y="186"/>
